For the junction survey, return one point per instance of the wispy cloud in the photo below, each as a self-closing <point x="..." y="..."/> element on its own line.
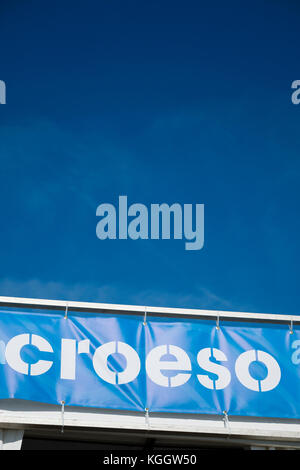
<point x="34" y="288"/>
<point x="203" y="298"/>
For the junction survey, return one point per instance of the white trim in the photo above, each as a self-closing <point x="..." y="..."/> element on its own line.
<point x="138" y="309"/>
<point x="23" y="414"/>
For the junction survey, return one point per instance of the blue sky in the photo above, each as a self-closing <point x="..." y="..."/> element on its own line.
<point x="162" y="101"/>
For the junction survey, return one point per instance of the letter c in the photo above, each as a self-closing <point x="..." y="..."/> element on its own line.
<point x="13" y="356"/>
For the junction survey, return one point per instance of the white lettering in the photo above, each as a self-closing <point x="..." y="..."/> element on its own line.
<point x="68" y="356"/>
<point x="165" y="371"/>
<point x="102" y="369"/>
<point x="242" y="371"/>
<point x="222" y="372"/>
<point x="13" y="354"/>
<point x="155" y="364"/>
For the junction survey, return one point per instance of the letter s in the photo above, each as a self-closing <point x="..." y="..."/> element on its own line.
<point x="222" y="372"/>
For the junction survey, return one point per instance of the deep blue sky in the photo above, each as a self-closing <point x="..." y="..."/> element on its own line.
<point x="162" y="101"/>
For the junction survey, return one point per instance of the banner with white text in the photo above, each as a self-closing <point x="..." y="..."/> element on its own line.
<point x="116" y="361"/>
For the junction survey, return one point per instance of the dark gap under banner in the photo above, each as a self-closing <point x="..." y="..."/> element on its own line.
<point x="115" y="361"/>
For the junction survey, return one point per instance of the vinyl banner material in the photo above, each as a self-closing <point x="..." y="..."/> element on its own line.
<point x="117" y="361"/>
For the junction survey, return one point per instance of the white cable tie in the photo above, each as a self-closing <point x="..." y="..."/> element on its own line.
<point x="291" y="327"/>
<point x="147" y="417"/>
<point x="66" y="311"/>
<point x="62" y="415"/>
<point x="225" y="419"/>
<point x="145" y="316"/>
<point x="218" y="322"/>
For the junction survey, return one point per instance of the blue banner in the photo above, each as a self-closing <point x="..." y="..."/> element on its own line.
<point x="115" y="361"/>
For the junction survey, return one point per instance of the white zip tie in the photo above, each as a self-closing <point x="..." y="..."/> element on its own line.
<point x="62" y="415"/>
<point x="147" y="417"/>
<point x="225" y="419"/>
<point x="66" y="311"/>
<point x="218" y="322"/>
<point x="145" y="316"/>
<point x="291" y="327"/>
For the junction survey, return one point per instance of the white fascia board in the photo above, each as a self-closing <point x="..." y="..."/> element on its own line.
<point x="22" y="413"/>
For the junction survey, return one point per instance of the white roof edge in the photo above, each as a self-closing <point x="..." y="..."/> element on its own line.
<point x="169" y="311"/>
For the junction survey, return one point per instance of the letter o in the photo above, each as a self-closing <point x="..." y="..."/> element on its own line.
<point x="101" y="368"/>
<point x="242" y="371"/>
